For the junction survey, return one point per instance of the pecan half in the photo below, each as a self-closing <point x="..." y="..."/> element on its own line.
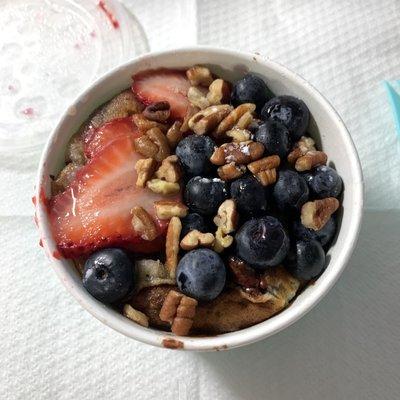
<point x="197" y="97"/>
<point x="265" y="169"/>
<point x="158" y="112"/>
<point x="206" y="120"/>
<point x="233" y="117"/>
<point x="219" y="92"/>
<point x="172" y="245"/>
<point x="163" y="187"/>
<point x="135" y="315"/>
<point x="174" y="134"/>
<point x="153" y="144"/>
<point x="310" y="160"/>
<point x="167" y="209"/>
<point x="196" y="239"/>
<point x="240" y="153"/>
<point x="170" y="169"/>
<point x="145" y="168"/>
<point x="231" y="171"/>
<point x="315" y="214"/>
<point x="199" y="75"/>
<point x="143" y="224"/>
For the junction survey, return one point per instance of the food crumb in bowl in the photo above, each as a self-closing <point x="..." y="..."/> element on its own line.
<point x="40" y="242"/>
<point x="34" y="200"/>
<point x="172" y="344"/>
<point x="221" y="348"/>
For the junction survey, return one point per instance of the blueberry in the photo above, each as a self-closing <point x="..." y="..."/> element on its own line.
<point x="275" y="138"/>
<point x="204" y="195"/>
<point x="193" y="221"/>
<point x="290" y="191"/>
<point x="324" y="182"/>
<point x="290" y="111"/>
<point x="201" y="274"/>
<point x="194" y="153"/>
<point x="262" y="242"/>
<point x="324" y="235"/>
<point x="249" y="195"/>
<point x="307" y="260"/>
<point x="250" y="89"/>
<point x="108" y="275"/>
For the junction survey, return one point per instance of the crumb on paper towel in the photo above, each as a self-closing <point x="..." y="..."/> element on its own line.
<point x="29" y="112"/>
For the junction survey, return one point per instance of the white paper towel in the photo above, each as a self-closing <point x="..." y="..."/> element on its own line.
<point x="346" y="348"/>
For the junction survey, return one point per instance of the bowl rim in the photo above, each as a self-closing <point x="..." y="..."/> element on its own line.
<point x="228" y="340"/>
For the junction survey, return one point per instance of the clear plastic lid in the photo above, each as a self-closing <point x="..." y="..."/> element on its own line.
<point x="49" y="51"/>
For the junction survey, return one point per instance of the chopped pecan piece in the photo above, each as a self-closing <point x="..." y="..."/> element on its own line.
<point x="191" y="110"/>
<point x="145" y="124"/>
<point x="244" y="121"/>
<point x="196" y="239"/>
<point x="239" y="135"/>
<point x="163" y="187"/>
<point x="174" y="134"/>
<point x="170" y="170"/>
<point x="240" y="153"/>
<point x="243" y="275"/>
<point x="219" y="92"/>
<point x="198" y="97"/>
<point x="206" y="120"/>
<point x="222" y="241"/>
<point x="135" y="315"/>
<point x="231" y="171"/>
<point x="172" y="245"/>
<point x="310" y="160"/>
<point x="145" y="168"/>
<point x="227" y="217"/>
<point x="233" y="117"/>
<point x="167" y="209"/>
<point x="304" y="145"/>
<point x="265" y="169"/>
<point x="199" y="75"/>
<point x="158" y="112"/>
<point x="315" y="214"/>
<point x="143" y="224"/>
<point x="153" y="144"/>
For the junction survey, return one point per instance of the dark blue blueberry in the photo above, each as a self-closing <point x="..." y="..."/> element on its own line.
<point x="204" y="195"/>
<point x="191" y="222"/>
<point x="249" y="195"/>
<point x="307" y="260"/>
<point x="290" y="111"/>
<point x="201" y="274"/>
<point x="290" y="191"/>
<point x="250" y="89"/>
<point x="324" y="182"/>
<point x="275" y="138"/>
<point x="108" y="275"/>
<point x="262" y="242"/>
<point x="324" y="235"/>
<point x="194" y="153"/>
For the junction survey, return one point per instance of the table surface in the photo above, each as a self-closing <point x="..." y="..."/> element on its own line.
<point x="345" y="348"/>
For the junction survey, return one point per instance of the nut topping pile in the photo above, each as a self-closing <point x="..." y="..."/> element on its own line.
<point x="197" y="205"/>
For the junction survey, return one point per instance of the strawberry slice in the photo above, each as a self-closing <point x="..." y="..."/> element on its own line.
<point x="96" y="139"/>
<point x="152" y="86"/>
<point x="94" y="211"/>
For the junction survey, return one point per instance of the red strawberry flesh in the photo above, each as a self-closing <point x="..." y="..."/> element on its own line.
<point x="152" y="86"/>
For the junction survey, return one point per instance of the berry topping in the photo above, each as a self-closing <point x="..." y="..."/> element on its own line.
<point x="205" y="195"/>
<point x="169" y="85"/>
<point x="249" y="195"/>
<point x="194" y="153"/>
<point x="95" y="210"/>
<point x="275" y="138"/>
<point x="290" y="191"/>
<point x="250" y="89"/>
<point x="108" y="275"/>
<point x="262" y="242"/>
<point x="201" y="274"/>
<point x="324" y="182"/>
<point x="290" y="111"/>
<point x="307" y="261"/>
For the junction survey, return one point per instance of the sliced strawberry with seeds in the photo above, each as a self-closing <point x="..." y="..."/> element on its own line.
<point x="95" y="210"/>
<point x="157" y="85"/>
<point x="96" y="139"/>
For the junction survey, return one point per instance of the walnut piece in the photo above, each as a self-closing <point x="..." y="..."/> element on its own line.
<point x="239" y="135"/>
<point x="163" y="187"/>
<point x="233" y="117"/>
<point x="265" y="169"/>
<point x="231" y="171"/>
<point x="143" y="223"/>
<point x="219" y="92"/>
<point x="174" y="134"/>
<point x="240" y="153"/>
<point x="195" y="239"/>
<point x="310" y="160"/>
<point x="315" y="214"/>
<point x="135" y="315"/>
<point x="170" y="169"/>
<point x="158" y="112"/>
<point x="179" y="310"/>
<point x="145" y="168"/>
<point x="304" y="145"/>
<point x="206" y="120"/>
<point x="144" y="124"/>
<point x="167" y="209"/>
<point x="197" y="97"/>
<point x="227" y="216"/>
<point x="199" y="75"/>
<point x="242" y="273"/>
<point x="153" y="144"/>
<point x="172" y="245"/>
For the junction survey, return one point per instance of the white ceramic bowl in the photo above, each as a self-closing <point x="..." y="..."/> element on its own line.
<point x="326" y="127"/>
